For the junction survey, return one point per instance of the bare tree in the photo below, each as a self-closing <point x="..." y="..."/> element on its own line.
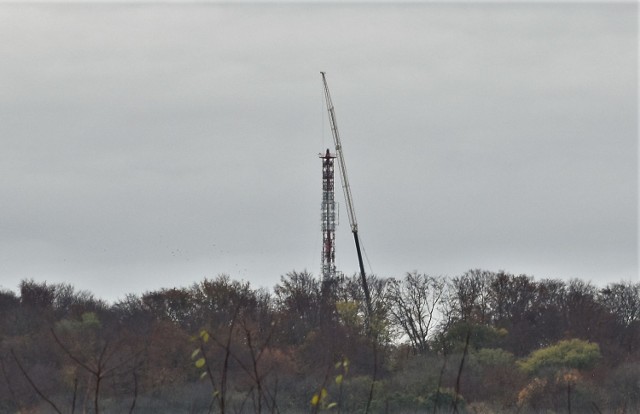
<point x="622" y="300"/>
<point x="413" y="305"/>
<point x="471" y="294"/>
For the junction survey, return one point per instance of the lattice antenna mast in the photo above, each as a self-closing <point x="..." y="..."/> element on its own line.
<point x="347" y="192"/>
<point x="329" y="217"/>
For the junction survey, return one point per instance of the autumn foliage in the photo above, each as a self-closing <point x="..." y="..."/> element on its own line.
<point x="480" y="342"/>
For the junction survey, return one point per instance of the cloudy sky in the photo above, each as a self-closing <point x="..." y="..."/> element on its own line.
<point x="153" y="145"/>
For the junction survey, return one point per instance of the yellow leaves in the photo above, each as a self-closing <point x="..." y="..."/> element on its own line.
<point x="318" y="398"/>
<point x="349" y="314"/>
<point x="201" y="361"/>
<point x="323" y="394"/>
<point x="344" y="364"/>
<point x="315" y="399"/>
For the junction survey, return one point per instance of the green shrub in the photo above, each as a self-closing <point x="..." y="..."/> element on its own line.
<point x="573" y="353"/>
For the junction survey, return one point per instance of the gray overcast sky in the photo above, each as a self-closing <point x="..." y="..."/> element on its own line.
<point x="152" y="145"/>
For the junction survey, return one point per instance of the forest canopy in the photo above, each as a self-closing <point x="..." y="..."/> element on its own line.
<point x="477" y="342"/>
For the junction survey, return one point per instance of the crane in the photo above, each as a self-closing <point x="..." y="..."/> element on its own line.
<point x="347" y="193"/>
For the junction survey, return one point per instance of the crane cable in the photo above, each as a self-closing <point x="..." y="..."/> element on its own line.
<point x="364" y="251"/>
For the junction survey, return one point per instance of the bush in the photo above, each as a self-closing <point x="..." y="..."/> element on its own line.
<point x="574" y="353"/>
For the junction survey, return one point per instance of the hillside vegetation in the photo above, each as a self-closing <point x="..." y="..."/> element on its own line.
<point x="480" y="342"/>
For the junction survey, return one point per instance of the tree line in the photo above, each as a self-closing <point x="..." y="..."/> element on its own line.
<point x="480" y="342"/>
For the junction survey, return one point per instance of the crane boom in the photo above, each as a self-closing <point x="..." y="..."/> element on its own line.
<point x="347" y="192"/>
<point x="343" y="168"/>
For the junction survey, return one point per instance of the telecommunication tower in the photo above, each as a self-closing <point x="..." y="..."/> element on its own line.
<point x="329" y="217"/>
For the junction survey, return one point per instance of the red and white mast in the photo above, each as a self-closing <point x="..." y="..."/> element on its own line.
<point x="329" y="218"/>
